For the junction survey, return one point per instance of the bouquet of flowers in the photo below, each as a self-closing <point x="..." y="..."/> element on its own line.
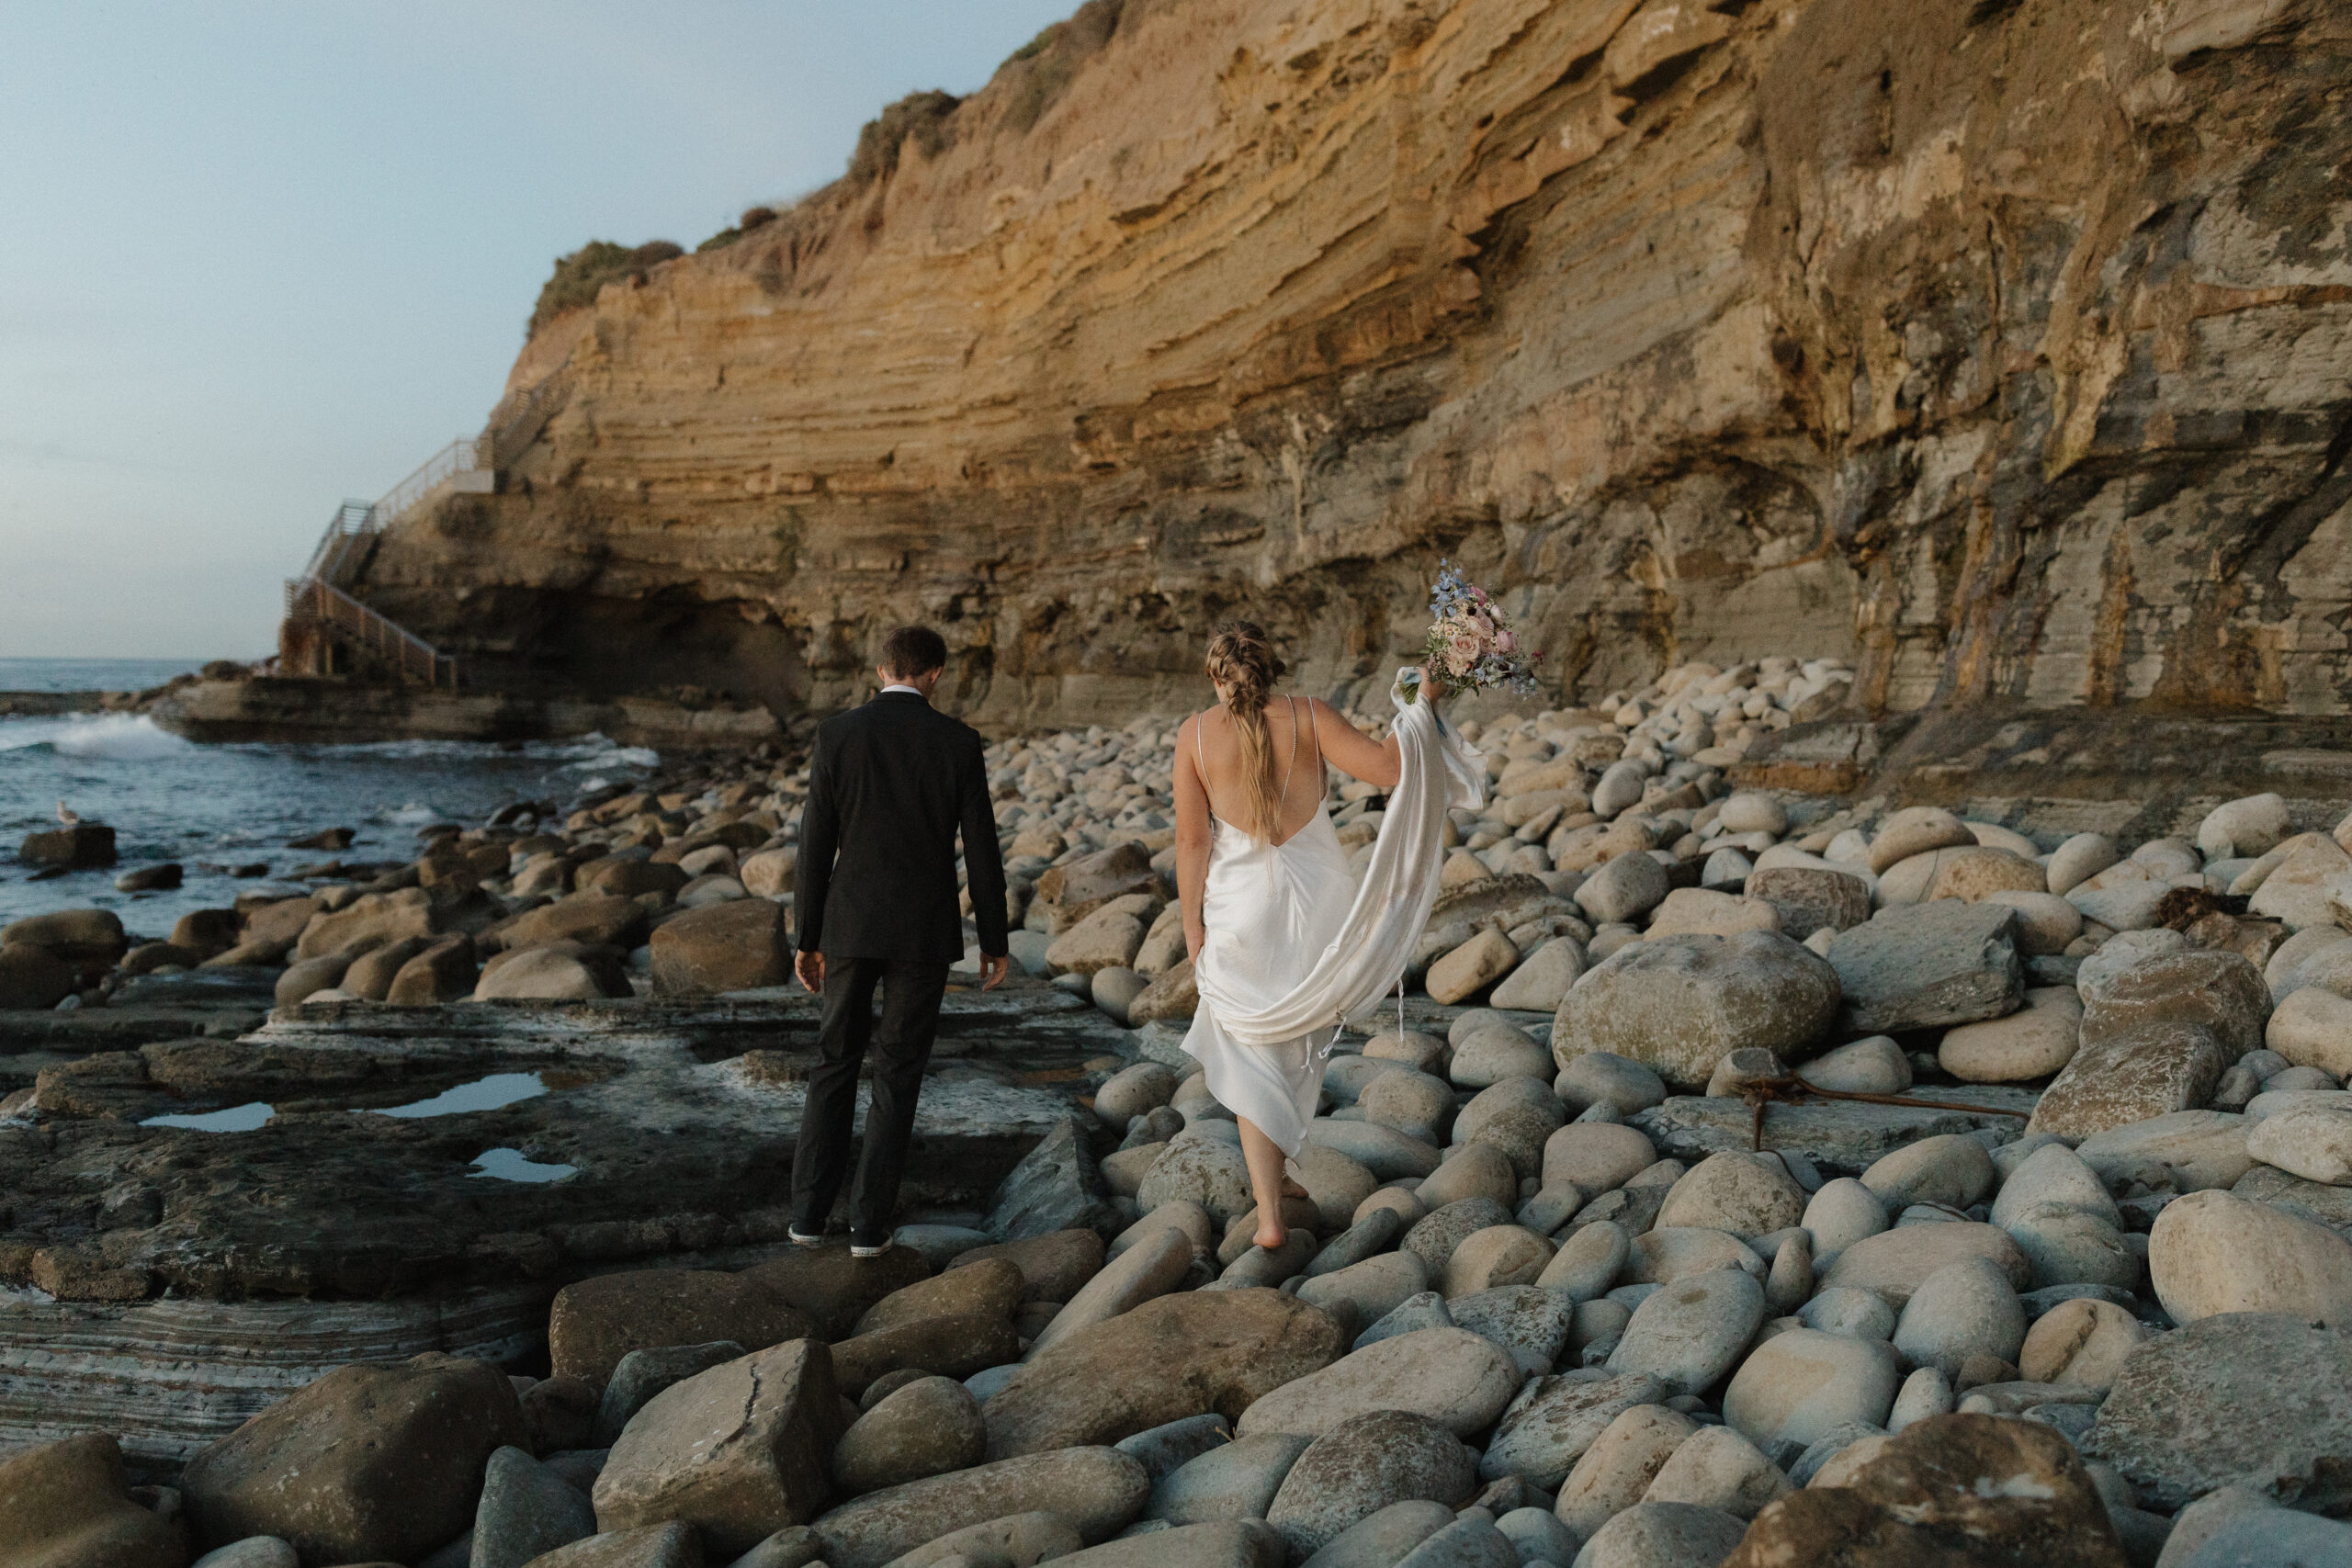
<point x="1470" y="643"/>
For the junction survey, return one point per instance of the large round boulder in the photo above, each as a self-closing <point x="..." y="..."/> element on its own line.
<point x="1181" y="1355"/>
<point x="1680" y="1004"/>
<point x="1363" y="1465"/>
<point x="1449" y="1376"/>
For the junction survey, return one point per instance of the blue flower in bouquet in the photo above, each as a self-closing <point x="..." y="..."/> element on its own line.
<point x="1471" y="643"/>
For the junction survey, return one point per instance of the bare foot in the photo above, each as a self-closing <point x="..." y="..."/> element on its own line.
<point x="1271" y="1234"/>
<point x="1292" y="1189"/>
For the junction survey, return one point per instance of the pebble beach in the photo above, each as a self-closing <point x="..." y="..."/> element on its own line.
<point x="1743" y="1175"/>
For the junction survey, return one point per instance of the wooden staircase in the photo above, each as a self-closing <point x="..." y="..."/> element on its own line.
<point x="323" y="620"/>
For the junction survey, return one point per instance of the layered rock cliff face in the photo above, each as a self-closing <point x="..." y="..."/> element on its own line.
<point x="2001" y="344"/>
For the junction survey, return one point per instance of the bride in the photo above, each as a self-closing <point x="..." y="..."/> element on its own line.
<point x="1278" y="931"/>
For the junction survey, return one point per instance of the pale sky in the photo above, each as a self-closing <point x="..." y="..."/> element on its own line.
<point x="259" y="257"/>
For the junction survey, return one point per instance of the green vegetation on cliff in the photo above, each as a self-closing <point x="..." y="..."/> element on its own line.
<point x="579" y="275"/>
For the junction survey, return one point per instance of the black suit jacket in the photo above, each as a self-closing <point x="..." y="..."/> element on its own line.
<point x="891" y="785"/>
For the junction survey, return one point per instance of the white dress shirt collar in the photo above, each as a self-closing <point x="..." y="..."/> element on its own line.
<point x="901" y="686"/>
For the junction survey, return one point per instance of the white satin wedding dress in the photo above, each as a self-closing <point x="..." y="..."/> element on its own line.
<point x="1295" y="945"/>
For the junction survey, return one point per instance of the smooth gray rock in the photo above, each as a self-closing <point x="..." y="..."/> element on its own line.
<point x="941" y="1244"/>
<point x="2067" y="1245"/>
<point x="1799" y="1385"/>
<point x="1588" y="1262"/>
<point x="1681" y="1003"/>
<point x="1842" y="1214"/>
<point x="1951" y="1168"/>
<point x="795" y="1546"/>
<point x="1554" y="1420"/>
<point x="1055" y="1187"/>
<point x="1363" y="1465"/>
<point x="671" y="1545"/>
<point x="1551" y="1208"/>
<point x="1383" y="1539"/>
<point x="1471" y="1541"/>
<point x="1717" y="1468"/>
<point x="1237" y="1481"/>
<point x="1433" y="1238"/>
<point x="1529" y="1321"/>
<point x="2278" y="1539"/>
<point x="1372" y="1235"/>
<point x="1663" y="1535"/>
<point x="1223" y="1543"/>
<point x="930" y="1427"/>
<point x="1448" y="1376"/>
<point x="1151" y="1268"/>
<point x="1603" y="1077"/>
<point x="1961" y="1310"/>
<point x="254" y="1551"/>
<point x="1098" y="1490"/>
<point x="1424" y="1309"/>
<point x="1845" y="1137"/>
<point x="1165" y="1448"/>
<point x="1871" y="1065"/>
<point x="1016" y="1540"/>
<point x="2206" y="1518"/>
<point x="1199" y="1165"/>
<point x="1863" y="1315"/>
<point x="1690" y="1333"/>
<point x="1372" y="1290"/>
<point x="2052" y="1174"/>
<point x="641" y="1375"/>
<point x="1828" y="1446"/>
<point x="1748" y="1195"/>
<point x="1928" y="966"/>
<point x="1925" y="1393"/>
<point x="2207" y="1405"/>
<point x="525" y="1510"/>
<point x="1626" y="887"/>
<point x="1538" y="1536"/>
<point x="1388" y="1153"/>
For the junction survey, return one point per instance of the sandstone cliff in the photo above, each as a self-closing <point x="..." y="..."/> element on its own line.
<point x="2001" y="344"/>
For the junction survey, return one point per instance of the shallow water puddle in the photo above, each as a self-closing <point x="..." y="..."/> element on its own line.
<point x="513" y="1165"/>
<point x="236" y="1119"/>
<point x="482" y="1094"/>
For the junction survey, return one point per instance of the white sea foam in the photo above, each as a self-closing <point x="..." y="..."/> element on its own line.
<point x="107" y="737"/>
<point x="600" y="751"/>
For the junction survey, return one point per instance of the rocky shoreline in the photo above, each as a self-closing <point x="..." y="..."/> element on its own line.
<point x="1751" y="1176"/>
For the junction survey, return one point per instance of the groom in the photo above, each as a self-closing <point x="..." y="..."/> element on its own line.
<point x="891" y="785"/>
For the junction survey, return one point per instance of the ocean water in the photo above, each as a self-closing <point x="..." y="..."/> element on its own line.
<point x="170" y="799"/>
<point x="91" y="675"/>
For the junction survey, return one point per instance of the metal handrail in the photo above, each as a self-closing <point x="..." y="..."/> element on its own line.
<point x="319" y="594"/>
<point x="355" y="520"/>
<point x="409" y="654"/>
<point x="460" y="455"/>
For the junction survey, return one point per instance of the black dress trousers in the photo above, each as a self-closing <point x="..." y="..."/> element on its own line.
<point x="911" y="992"/>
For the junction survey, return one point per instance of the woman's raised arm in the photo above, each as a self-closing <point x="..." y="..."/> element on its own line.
<point x="1374" y="762"/>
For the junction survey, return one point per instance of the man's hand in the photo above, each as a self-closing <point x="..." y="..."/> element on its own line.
<point x="994" y="968"/>
<point x="810" y="967"/>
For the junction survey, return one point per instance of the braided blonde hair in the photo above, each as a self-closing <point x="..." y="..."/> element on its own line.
<point x="1243" y="661"/>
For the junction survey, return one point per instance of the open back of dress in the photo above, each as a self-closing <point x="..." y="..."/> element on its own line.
<point x="1270" y="911"/>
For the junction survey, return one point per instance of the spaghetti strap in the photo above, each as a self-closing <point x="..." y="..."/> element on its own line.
<point x="1322" y="768"/>
<point x="1284" y="796"/>
<point x="1200" y="759"/>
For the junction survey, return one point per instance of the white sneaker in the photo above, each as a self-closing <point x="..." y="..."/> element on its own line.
<point x="875" y="1250"/>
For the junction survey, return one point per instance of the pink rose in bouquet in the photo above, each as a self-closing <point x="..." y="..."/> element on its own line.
<point x="1471" y="642"/>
